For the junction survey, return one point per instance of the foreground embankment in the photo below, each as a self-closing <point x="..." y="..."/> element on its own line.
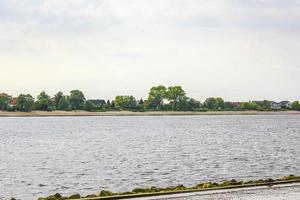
<point x="276" y="192"/>
<point x="148" y="113"/>
<point x="180" y="189"/>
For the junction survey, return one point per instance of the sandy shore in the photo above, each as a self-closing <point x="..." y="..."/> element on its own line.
<point x="128" y="113"/>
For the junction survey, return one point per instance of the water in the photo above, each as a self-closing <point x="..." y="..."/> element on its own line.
<point x="44" y="155"/>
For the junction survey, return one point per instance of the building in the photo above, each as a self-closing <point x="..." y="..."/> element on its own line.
<point x="13" y="101"/>
<point x="275" y="106"/>
<point x="286" y="104"/>
<point x="52" y="100"/>
<point x="98" y="102"/>
<point x="236" y="104"/>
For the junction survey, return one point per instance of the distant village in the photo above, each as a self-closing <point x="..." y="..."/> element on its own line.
<point x="273" y="105"/>
<point x="160" y="98"/>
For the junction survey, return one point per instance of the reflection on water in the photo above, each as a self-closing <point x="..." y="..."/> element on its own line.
<point x="43" y="155"/>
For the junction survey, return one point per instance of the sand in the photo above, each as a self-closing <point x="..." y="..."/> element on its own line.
<point x="129" y="113"/>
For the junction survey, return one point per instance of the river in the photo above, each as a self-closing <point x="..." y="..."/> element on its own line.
<point x="40" y="156"/>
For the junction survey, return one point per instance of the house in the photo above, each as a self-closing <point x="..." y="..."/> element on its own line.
<point x="98" y="102"/>
<point x="275" y="106"/>
<point x="286" y="104"/>
<point x="52" y="100"/>
<point x="13" y="101"/>
<point x="236" y="104"/>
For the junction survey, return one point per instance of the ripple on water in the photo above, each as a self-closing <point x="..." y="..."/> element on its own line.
<point x="87" y="154"/>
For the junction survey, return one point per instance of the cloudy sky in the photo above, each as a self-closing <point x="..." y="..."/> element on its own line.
<point x="237" y="49"/>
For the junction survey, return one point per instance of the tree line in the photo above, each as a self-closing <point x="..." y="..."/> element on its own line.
<point x="160" y="98"/>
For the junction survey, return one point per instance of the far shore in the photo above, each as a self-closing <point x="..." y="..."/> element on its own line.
<point x="130" y="113"/>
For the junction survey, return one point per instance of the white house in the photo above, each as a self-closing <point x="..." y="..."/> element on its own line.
<point x="275" y="106"/>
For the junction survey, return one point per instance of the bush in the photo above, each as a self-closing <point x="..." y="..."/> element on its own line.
<point x="139" y="190"/>
<point x="207" y="185"/>
<point x="74" y="196"/>
<point x="106" y="193"/>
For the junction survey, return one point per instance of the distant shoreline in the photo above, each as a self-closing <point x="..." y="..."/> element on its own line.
<point x="130" y="113"/>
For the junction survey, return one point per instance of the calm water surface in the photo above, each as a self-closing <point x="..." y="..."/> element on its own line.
<point x="44" y="155"/>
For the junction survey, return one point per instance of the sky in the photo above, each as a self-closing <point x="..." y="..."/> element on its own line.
<point x="238" y="49"/>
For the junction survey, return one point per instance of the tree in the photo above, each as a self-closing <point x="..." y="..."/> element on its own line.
<point x="211" y="103"/>
<point x="113" y="105"/>
<point x="64" y="103"/>
<point x="249" y="106"/>
<point x="174" y="95"/>
<point x="4" y="102"/>
<point x="266" y="105"/>
<point x="88" y="105"/>
<point x="140" y="106"/>
<point x="220" y="103"/>
<point x="43" y="102"/>
<point x="296" y="105"/>
<point x="156" y="96"/>
<point x="125" y="102"/>
<point x="76" y="99"/>
<point x="193" y="104"/>
<point x="58" y="97"/>
<point x="25" y="102"/>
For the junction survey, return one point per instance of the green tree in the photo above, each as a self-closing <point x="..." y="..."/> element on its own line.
<point x="64" y="103"/>
<point x="249" y="105"/>
<point x="4" y="102"/>
<point x="76" y="99"/>
<point x="220" y="103"/>
<point x="156" y="97"/>
<point x="188" y="104"/>
<point x="25" y="102"/>
<point x="140" y="106"/>
<point x="211" y="103"/>
<point x="296" y="105"/>
<point x="57" y="97"/>
<point x="43" y="102"/>
<point x="266" y="105"/>
<point x="193" y="104"/>
<point x="175" y="94"/>
<point x="125" y="102"/>
<point x="88" y="105"/>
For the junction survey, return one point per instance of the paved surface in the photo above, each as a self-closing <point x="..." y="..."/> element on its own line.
<point x="282" y="192"/>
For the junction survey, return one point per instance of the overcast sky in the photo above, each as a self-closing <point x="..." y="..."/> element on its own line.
<point x="237" y="49"/>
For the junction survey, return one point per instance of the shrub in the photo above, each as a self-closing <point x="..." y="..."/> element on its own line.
<point x="106" y="193"/>
<point x="74" y="196"/>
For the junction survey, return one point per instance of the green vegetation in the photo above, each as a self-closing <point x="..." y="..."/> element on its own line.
<point x="43" y="102"/>
<point x="4" y="101"/>
<point x="76" y="99"/>
<point x="125" y="102"/>
<point x="160" y="98"/>
<point x="201" y="186"/>
<point x="25" y="102"/>
<point x="296" y="105"/>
